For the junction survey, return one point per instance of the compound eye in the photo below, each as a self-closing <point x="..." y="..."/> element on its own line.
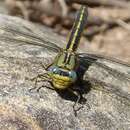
<point x="50" y="69"/>
<point x="56" y="70"/>
<point x="53" y="69"/>
<point x="73" y="75"/>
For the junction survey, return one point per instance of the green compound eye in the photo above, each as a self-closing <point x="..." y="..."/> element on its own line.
<point x="73" y="75"/>
<point x="54" y="69"/>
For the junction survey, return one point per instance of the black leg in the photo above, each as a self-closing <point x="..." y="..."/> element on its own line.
<point x="48" y="87"/>
<point x="40" y="78"/>
<point x="79" y="95"/>
<point x="37" y="88"/>
<point x="45" y="66"/>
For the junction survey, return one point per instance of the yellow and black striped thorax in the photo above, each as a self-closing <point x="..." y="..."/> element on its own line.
<point x="66" y="60"/>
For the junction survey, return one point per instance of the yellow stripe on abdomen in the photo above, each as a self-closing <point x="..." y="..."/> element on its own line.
<point x="77" y="29"/>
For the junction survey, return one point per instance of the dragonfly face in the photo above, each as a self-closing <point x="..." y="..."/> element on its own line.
<point x="63" y="70"/>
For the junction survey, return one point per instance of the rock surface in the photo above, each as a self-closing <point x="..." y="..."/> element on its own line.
<point x="107" y="105"/>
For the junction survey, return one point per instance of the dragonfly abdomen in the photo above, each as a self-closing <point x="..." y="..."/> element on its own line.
<point x="77" y="29"/>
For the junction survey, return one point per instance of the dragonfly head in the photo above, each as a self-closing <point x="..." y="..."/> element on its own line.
<point x="62" y="78"/>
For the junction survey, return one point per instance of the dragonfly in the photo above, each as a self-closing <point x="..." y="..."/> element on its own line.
<point x="63" y="72"/>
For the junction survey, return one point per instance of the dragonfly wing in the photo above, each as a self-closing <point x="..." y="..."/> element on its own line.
<point x="105" y="62"/>
<point x="106" y="73"/>
<point x="14" y="34"/>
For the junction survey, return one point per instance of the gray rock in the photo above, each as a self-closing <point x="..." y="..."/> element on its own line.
<point x="23" y="46"/>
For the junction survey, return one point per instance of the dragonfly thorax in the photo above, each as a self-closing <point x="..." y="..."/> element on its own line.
<point x="66" y="60"/>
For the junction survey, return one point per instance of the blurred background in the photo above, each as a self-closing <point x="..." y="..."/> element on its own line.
<point x="108" y="27"/>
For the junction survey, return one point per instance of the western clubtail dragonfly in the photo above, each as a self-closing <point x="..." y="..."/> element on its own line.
<point x="63" y="72"/>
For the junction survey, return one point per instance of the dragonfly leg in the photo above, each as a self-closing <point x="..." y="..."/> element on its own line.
<point x="45" y="66"/>
<point x="48" y="87"/>
<point x="39" y="78"/>
<point x="79" y="95"/>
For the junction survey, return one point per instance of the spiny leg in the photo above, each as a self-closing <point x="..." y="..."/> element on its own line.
<point x="79" y="95"/>
<point x="43" y="77"/>
<point x="48" y="87"/>
<point x="45" y="66"/>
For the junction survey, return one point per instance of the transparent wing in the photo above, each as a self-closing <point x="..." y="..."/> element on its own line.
<point x="26" y="37"/>
<point x="115" y="67"/>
